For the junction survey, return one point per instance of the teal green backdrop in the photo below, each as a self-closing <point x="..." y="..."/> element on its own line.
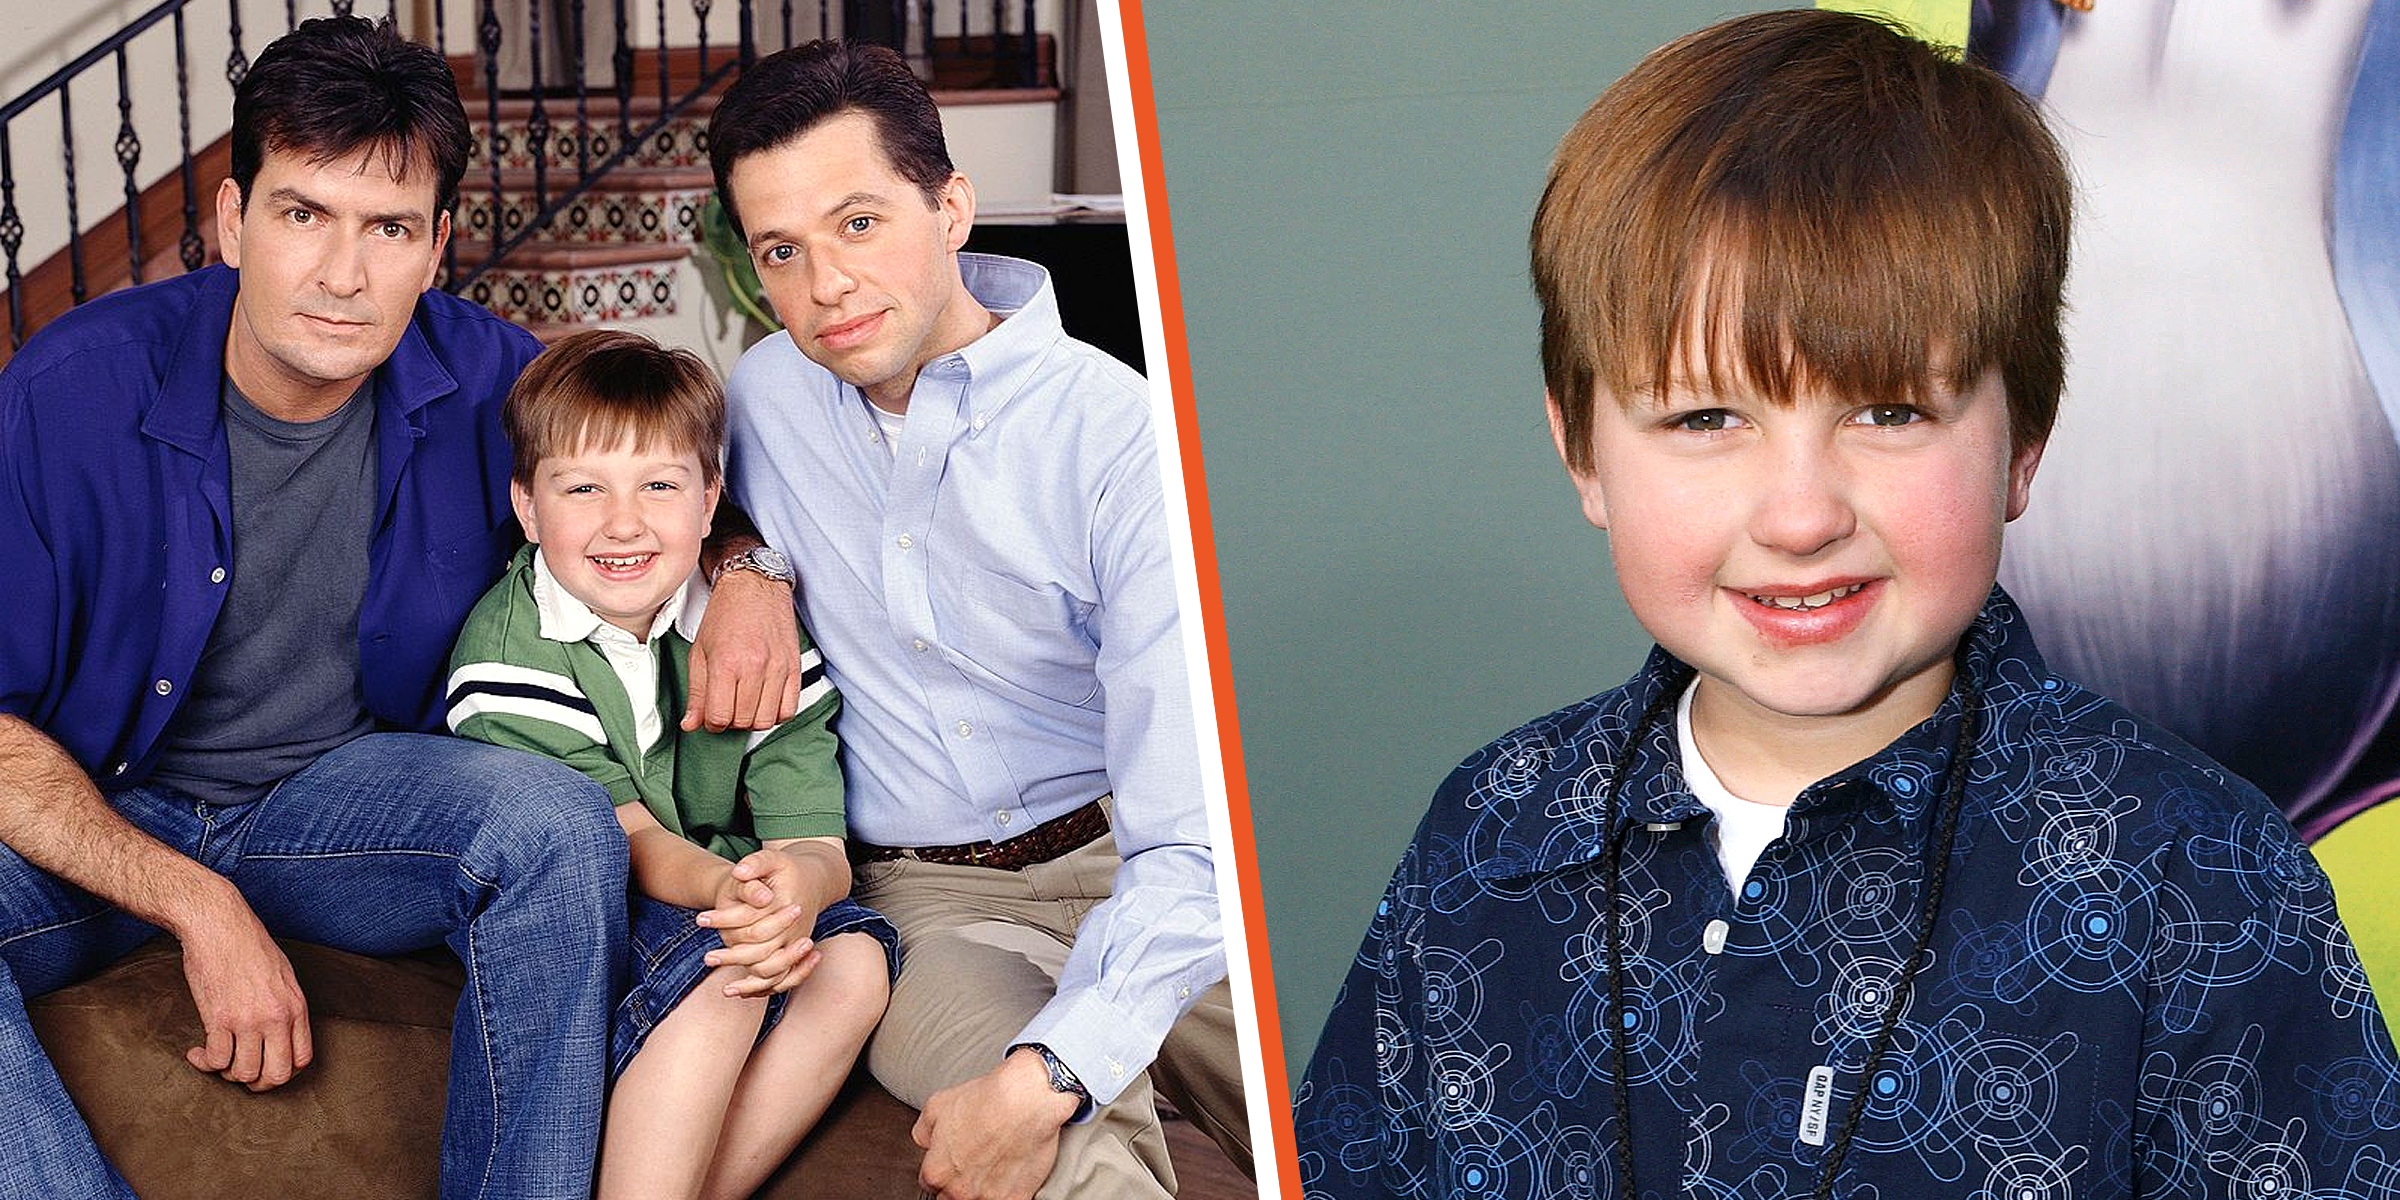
<point x="1405" y="573"/>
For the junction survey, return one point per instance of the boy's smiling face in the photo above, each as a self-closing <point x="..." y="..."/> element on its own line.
<point x="620" y="528"/>
<point x="1816" y="562"/>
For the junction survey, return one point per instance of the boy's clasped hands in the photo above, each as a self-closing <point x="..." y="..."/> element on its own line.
<point x="763" y="913"/>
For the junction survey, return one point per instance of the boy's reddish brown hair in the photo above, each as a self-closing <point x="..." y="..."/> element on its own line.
<point x="1803" y="198"/>
<point x="605" y="388"/>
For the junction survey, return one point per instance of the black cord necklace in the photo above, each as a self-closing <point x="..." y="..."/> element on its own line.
<point x="1937" y="876"/>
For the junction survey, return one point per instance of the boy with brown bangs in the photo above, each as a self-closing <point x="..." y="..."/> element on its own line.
<point x="750" y="997"/>
<point x="1844" y="893"/>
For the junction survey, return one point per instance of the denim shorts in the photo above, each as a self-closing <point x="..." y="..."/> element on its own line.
<point x="669" y="950"/>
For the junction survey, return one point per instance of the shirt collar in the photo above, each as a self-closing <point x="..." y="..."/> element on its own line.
<point x="567" y="619"/>
<point x="1004" y="359"/>
<point x="1572" y="760"/>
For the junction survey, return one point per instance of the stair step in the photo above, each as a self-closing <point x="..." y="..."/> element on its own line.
<point x="542" y="254"/>
<point x="601" y="107"/>
<point x="625" y="178"/>
<point x="551" y="284"/>
<point x="608" y="214"/>
<point x="681" y="142"/>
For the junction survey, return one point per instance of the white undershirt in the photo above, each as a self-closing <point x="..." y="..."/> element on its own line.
<point x="1744" y="828"/>
<point x="891" y="423"/>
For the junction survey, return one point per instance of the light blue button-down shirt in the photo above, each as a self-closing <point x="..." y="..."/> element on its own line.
<point x="995" y="597"/>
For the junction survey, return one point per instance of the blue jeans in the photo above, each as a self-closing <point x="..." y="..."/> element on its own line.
<point x="393" y="842"/>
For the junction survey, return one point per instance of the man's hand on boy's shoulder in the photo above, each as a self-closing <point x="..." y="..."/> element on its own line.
<point x="746" y="657"/>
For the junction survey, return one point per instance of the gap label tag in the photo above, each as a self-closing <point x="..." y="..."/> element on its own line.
<point x="1816" y="1100"/>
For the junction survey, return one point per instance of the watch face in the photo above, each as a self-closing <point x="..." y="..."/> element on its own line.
<point x="774" y="561"/>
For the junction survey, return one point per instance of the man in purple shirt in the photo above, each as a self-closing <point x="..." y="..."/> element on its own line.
<point x="245" y="512"/>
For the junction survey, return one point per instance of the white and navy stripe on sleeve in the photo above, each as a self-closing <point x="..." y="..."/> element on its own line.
<point x="814" y="686"/>
<point x="499" y="689"/>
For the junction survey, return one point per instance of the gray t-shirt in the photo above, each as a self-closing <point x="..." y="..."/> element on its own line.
<point x="277" y="684"/>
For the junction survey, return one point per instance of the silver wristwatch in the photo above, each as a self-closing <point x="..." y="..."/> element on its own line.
<point x="1062" y="1079"/>
<point x="766" y="560"/>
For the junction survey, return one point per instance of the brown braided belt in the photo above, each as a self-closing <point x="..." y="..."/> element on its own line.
<point x="1040" y="844"/>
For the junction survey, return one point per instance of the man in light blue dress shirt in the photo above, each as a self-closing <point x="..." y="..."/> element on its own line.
<point x="974" y="503"/>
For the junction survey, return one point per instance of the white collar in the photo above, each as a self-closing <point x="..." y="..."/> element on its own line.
<point x="567" y="619"/>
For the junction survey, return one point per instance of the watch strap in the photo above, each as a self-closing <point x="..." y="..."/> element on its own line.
<point x="1062" y="1080"/>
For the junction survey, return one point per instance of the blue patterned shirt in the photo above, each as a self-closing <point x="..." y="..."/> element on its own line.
<point x="2137" y="983"/>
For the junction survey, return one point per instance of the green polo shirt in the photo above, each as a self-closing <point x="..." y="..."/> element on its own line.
<point x="554" y="692"/>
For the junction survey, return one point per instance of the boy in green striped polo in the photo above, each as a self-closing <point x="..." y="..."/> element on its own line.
<point x="740" y="912"/>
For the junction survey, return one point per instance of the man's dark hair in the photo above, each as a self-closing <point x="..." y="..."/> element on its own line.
<point x="337" y="85"/>
<point x="786" y="94"/>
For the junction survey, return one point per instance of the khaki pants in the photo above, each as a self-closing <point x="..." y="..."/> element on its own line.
<point x="981" y="951"/>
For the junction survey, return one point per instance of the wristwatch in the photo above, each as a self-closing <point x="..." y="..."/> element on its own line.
<point x="1062" y="1080"/>
<point x="766" y="560"/>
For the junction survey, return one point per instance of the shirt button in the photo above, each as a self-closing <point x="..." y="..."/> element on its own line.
<point x="874" y="435"/>
<point x="1662" y="826"/>
<point x="119" y="769"/>
<point x="965" y="730"/>
<point x="217" y="576"/>
<point x="918" y="645"/>
<point x="906" y="541"/>
<point x="1001" y="816"/>
<point x="980" y="422"/>
<point x="1116" y="1070"/>
<point x="1183" y="993"/>
<point x="162" y="687"/>
<point x="1712" y="937"/>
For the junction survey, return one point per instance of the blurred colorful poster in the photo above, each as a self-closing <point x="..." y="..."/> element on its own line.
<point x="2215" y="535"/>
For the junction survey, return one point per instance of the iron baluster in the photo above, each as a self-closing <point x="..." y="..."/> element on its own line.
<point x="341" y="8"/>
<point x="925" y="34"/>
<point x="490" y="32"/>
<point x="622" y="60"/>
<point x="824" y="18"/>
<point x="583" y="105"/>
<point x="291" y="14"/>
<point x="189" y="247"/>
<point x="129" y="154"/>
<point x="441" y="36"/>
<point x="12" y="235"/>
<point x="1033" y="50"/>
<point x="700" y="17"/>
<point x="787" y="25"/>
<point x="66" y="141"/>
<point x="537" y="124"/>
<point x="237" y="64"/>
<point x="663" y="102"/>
<point x="748" y="52"/>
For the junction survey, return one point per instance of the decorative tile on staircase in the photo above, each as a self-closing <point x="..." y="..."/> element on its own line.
<point x="682" y="142"/>
<point x="650" y="215"/>
<point x="602" y="293"/>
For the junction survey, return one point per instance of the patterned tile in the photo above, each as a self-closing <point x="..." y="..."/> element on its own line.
<point x="683" y="142"/>
<point x="588" y="294"/>
<point x="603" y="217"/>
